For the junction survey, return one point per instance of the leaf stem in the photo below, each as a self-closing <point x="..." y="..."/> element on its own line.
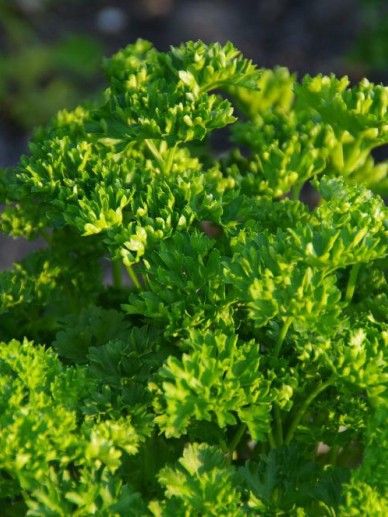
<point x="116" y="273"/>
<point x="352" y="282"/>
<point x="165" y="164"/>
<point x="169" y="161"/>
<point x="303" y="408"/>
<point x="133" y="277"/>
<point x="333" y="454"/>
<point x="278" y="426"/>
<point x="282" y="336"/>
<point x="237" y="437"/>
<point x="295" y="191"/>
<point x="271" y="440"/>
<point x="154" y="151"/>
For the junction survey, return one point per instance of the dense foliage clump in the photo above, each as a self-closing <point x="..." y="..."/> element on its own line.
<point x="235" y="363"/>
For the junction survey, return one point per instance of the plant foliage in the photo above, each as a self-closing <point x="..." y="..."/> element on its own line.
<point x="235" y="363"/>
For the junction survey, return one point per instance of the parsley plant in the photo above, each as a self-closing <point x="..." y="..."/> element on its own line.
<point x="236" y="363"/>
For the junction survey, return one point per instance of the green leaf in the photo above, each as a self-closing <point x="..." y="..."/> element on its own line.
<point x="202" y="484"/>
<point x="218" y="380"/>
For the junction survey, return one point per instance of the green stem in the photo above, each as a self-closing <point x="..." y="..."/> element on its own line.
<point x="282" y="336"/>
<point x="278" y="426"/>
<point x="271" y="440"/>
<point x="133" y="277"/>
<point x="165" y="164"/>
<point x="116" y="273"/>
<point x="352" y="282"/>
<point x="154" y="151"/>
<point x="303" y="408"/>
<point x="224" y="447"/>
<point x="295" y="191"/>
<point x="237" y="437"/>
<point x="169" y="161"/>
<point x="147" y="459"/>
<point x="333" y="454"/>
<point x="212" y="86"/>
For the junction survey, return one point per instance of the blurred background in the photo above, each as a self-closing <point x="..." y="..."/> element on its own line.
<point x="51" y="50"/>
